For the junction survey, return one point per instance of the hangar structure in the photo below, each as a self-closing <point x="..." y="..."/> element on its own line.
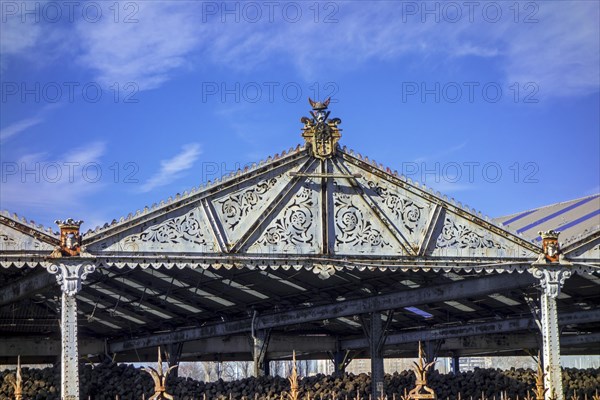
<point x="316" y="249"/>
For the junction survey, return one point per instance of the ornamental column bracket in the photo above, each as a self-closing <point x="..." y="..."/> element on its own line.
<point x="70" y="271"/>
<point x="70" y="275"/>
<point x="552" y="278"/>
<point x="551" y="267"/>
<point x="320" y="133"/>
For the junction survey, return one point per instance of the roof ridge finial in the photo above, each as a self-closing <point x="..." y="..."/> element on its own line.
<point x="551" y="251"/>
<point x="70" y="238"/>
<point x="321" y="133"/>
<point x="317" y="105"/>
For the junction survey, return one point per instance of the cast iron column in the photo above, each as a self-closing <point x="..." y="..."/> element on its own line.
<point x="260" y="343"/>
<point x="376" y="339"/>
<point x="455" y="365"/>
<point x="552" y="279"/>
<point x="70" y="276"/>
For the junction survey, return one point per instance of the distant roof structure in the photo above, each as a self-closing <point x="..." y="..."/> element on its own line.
<point x="573" y="218"/>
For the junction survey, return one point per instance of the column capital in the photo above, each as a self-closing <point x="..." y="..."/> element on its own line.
<point x="70" y="274"/>
<point x="552" y="278"/>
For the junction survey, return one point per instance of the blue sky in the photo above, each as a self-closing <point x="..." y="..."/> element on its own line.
<point x="107" y="107"/>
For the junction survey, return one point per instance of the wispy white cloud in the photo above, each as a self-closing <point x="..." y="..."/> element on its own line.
<point x="26" y="33"/>
<point x="18" y="127"/>
<point x="172" y="168"/>
<point x="86" y="154"/>
<point x="16" y="37"/>
<point x="147" y="50"/>
<point x="559" y="52"/>
<point x="22" y="125"/>
<point x="59" y="183"/>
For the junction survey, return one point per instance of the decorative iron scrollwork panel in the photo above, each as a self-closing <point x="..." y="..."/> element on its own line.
<point x="186" y="228"/>
<point x="7" y="242"/>
<point x="238" y="210"/>
<point x="357" y="229"/>
<point x="296" y="228"/>
<point x="188" y="232"/>
<point x="352" y="226"/>
<point x="408" y="212"/>
<point x="458" y="236"/>
<point x="238" y="205"/>
<point x="461" y="236"/>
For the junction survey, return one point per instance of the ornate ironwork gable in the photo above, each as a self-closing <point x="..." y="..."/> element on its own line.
<point x="21" y="236"/>
<point x="318" y="205"/>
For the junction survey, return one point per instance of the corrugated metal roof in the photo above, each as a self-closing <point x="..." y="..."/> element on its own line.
<point x="572" y="218"/>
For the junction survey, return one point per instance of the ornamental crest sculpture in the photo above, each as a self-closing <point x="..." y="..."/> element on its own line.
<point x="550" y="245"/>
<point x="550" y="249"/>
<point x="70" y="239"/>
<point x="321" y="133"/>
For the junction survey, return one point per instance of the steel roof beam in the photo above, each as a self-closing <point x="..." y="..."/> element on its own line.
<point x="508" y="325"/>
<point x="26" y="286"/>
<point x="142" y="298"/>
<point x="414" y="297"/>
<point x="238" y="347"/>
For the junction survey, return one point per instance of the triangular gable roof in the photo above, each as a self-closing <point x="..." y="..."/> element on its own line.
<point x="317" y="205"/>
<point x="285" y="209"/>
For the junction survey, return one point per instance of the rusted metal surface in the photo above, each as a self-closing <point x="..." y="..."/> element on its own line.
<point x="160" y="379"/>
<point x="550" y="247"/>
<point x="70" y="239"/>
<point x="421" y="391"/>
<point x="585" y="248"/>
<point x="320" y="132"/>
<point x="293" y="378"/>
<point x="16" y="381"/>
<point x="539" y="391"/>
<point x="551" y="347"/>
<point x="376" y="335"/>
